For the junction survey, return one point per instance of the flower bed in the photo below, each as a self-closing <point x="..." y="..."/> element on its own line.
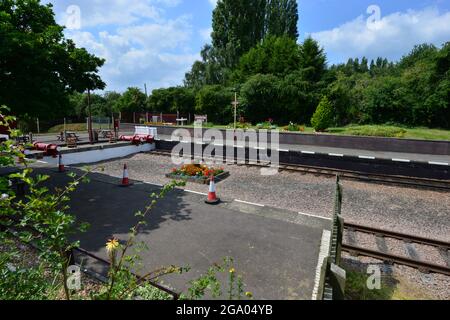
<point x="198" y="173"/>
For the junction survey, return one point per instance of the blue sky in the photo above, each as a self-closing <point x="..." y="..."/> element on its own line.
<point x="156" y="41"/>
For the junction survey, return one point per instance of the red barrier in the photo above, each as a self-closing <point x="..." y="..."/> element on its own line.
<point x="138" y="138"/>
<point x="49" y="149"/>
<point x="145" y="138"/>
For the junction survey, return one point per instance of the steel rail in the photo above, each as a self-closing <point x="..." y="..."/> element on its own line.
<point x="397" y="235"/>
<point x="391" y="258"/>
<point x="350" y="175"/>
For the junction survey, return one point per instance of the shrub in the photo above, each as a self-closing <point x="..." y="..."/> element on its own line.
<point x="323" y="117"/>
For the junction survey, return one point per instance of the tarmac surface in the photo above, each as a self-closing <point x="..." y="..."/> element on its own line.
<point x="276" y="251"/>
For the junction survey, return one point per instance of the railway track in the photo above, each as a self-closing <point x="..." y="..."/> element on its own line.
<point x="414" y="262"/>
<point x="441" y="185"/>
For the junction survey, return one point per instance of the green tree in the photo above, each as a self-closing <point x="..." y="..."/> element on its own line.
<point x="237" y="27"/>
<point x="279" y="56"/>
<point x="323" y="117"/>
<point x="208" y="71"/>
<point x="172" y="100"/>
<point x="215" y="101"/>
<point x="297" y="100"/>
<point x="38" y="66"/>
<point x="259" y="97"/>
<point x="132" y="100"/>
<point x="312" y="60"/>
<point x="282" y="18"/>
<point x="111" y="103"/>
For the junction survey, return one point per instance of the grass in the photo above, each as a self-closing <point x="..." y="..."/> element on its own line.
<point x="393" y="132"/>
<point x="391" y="289"/>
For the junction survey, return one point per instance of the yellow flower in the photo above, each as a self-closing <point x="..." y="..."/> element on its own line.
<point x="248" y="294"/>
<point x="232" y="270"/>
<point x="112" y="245"/>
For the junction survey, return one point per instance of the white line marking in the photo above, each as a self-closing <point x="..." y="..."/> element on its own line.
<point x="401" y="160"/>
<point x="39" y="161"/>
<point x="250" y="203"/>
<point x="260" y="148"/>
<point x="438" y="163"/>
<point x="308" y="152"/>
<point x="153" y="184"/>
<point x="314" y="216"/>
<point x="196" y="192"/>
<point x="323" y="253"/>
<point x="283" y="150"/>
<point x="335" y="155"/>
<point x="366" y="157"/>
<point x="218" y="145"/>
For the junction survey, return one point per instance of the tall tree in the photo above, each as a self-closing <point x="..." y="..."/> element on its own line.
<point x="237" y="27"/>
<point x="282" y="18"/>
<point x="38" y="66"/>
<point x="312" y="60"/>
<point x="132" y="100"/>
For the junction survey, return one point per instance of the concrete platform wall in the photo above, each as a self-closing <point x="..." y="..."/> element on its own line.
<point x="350" y="142"/>
<point x="98" y="155"/>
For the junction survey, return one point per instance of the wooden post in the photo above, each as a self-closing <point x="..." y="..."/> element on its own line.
<point x="91" y="136"/>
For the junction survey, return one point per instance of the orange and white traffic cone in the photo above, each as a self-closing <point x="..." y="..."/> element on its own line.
<point x="212" y="197"/>
<point x="126" y="178"/>
<point x="61" y="167"/>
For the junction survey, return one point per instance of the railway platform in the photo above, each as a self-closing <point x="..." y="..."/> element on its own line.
<point x="399" y="157"/>
<point x="276" y="251"/>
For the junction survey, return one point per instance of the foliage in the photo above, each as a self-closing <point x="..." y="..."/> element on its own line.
<point x="40" y="219"/>
<point x="50" y="66"/>
<point x="132" y="100"/>
<point x="323" y="117"/>
<point x="282" y="18"/>
<point x="209" y="282"/>
<point x="259" y="97"/>
<point x="172" y="100"/>
<point x="277" y="56"/>
<point x="312" y="60"/>
<point x="356" y="288"/>
<point x="215" y="101"/>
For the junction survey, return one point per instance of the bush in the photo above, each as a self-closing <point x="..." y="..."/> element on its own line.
<point x="323" y="117"/>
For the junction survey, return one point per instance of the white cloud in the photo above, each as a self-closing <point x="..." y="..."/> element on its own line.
<point x="96" y="13"/>
<point x="155" y="52"/>
<point x="392" y="37"/>
<point x="213" y="2"/>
